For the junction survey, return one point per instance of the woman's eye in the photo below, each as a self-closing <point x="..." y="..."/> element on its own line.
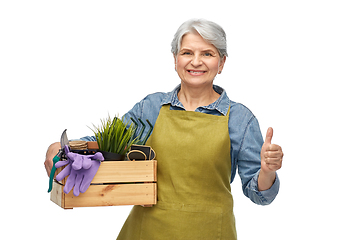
<point x="207" y="54"/>
<point x="186" y="53"/>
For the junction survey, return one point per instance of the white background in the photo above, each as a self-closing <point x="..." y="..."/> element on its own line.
<point x="295" y="64"/>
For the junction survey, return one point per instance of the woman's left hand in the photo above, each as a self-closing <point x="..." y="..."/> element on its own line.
<point x="271" y="154"/>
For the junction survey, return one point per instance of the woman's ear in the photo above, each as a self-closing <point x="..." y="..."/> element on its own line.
<point x="221" y="64"/>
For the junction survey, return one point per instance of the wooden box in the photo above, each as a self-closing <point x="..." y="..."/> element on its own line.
<point x="116" y="183"/>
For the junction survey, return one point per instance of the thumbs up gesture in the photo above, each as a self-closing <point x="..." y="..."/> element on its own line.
<point x="271" y="154"/>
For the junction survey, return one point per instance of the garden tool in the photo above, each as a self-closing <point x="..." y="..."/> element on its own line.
<point x="63" y="141"/>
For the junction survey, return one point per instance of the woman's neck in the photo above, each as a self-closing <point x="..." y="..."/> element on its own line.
<point x="194" y="97"/>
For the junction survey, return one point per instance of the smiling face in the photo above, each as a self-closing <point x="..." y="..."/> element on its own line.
<point x="198" y="62"/>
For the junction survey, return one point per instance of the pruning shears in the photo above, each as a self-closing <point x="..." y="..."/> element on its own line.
<point x="63" y="141"/>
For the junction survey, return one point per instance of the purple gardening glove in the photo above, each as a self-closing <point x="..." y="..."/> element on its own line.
<point x="82" y="174"/>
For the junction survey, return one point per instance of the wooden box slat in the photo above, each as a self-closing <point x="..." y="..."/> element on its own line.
<point x="123" y="172"/>
<point x="126" y="171"/>
<point x="106" y="195"/>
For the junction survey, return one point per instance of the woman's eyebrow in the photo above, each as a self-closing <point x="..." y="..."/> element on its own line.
<point x="208" y="50"/>
<point x="185" y="49"/>
<point x="205" y="50"/>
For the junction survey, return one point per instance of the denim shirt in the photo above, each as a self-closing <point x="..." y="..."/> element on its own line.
<point x="244" y="131"/>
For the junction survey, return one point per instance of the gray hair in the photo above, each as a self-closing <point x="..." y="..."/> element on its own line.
<point x="209" y="31"/>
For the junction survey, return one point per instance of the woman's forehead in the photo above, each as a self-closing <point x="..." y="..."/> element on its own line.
<point x="195" y="41"/>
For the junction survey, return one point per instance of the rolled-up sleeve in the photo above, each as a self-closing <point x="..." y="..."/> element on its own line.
<point x="262" y="197"/>
<point x="249" y="164"/>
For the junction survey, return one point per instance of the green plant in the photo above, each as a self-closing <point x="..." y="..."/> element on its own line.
<point x="113" y="136"/>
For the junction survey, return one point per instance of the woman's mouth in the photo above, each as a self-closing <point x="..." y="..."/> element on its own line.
<point x="196" y="72"/>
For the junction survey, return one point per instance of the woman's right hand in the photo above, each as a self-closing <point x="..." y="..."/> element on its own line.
<point x="50" y="154"/>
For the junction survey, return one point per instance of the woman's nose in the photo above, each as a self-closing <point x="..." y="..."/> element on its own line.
<point x="196" y="61"/>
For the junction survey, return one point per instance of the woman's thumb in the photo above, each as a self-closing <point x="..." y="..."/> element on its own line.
<point x="269" y="135"/>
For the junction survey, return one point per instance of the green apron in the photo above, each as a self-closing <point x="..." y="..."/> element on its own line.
<point x="194" y="169"/>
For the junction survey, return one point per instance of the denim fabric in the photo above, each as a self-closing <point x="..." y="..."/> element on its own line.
<point x="244" y="131"/>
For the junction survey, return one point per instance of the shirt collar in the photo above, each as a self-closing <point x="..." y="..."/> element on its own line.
<point x="222" y="104"/>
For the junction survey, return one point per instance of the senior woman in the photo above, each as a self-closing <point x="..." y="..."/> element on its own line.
<point x="201" y="138"/>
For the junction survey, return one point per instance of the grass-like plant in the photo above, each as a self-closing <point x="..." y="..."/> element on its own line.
<point x="113" y="136"/>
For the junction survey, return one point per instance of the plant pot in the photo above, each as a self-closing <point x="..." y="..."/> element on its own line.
<point x="113" y="156"/>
